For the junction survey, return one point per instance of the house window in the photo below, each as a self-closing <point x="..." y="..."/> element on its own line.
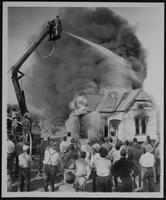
<point x="140" y="125"/>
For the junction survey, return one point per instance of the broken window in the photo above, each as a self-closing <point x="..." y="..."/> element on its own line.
<point x="140" y="125"/>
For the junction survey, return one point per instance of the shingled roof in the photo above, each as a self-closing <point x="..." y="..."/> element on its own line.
<point x="108" y="102"/>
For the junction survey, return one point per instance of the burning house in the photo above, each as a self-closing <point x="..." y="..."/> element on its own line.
<point x="127" y="113"/>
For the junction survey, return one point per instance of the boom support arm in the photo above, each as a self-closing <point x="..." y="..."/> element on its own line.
<point x="15" y="68"/>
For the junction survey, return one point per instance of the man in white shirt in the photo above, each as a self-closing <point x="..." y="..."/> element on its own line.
<point x="95" y="147"/>
<point x="103" y="172"/>
<point x="147" y="162"/>
<point x="88" y="149"/>
<point x="63" y="147"/>
<point x="51" y="163"/>
<point x="10" y="155"/>
<point x="25" y="162"/>
<point x="82" y="171"/>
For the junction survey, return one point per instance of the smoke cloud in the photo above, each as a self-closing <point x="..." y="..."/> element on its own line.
<point x="76" y="67"/>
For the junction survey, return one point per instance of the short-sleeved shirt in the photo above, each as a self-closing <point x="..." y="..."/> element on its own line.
<point x="10" y="147"/>
<point x="82" y="167"/>
<point x="63" y="146"/>
<point x="103" y="167"/>
<point x="25" y="160"/>
<point x="147" y="160"/>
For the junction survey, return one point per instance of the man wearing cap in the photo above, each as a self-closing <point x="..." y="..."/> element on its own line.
<point x="122" y="169"/>
<point x="25" y="162"/>
<point x="147" y="162"/>
<point x="51" y="163"/>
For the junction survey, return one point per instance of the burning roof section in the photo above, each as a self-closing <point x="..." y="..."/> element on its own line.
<point x="111" y="102"/>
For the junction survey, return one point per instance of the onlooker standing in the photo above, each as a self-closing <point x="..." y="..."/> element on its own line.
<point x="41" y="150"/>
<point x="19" y="150"/>
<point x="10" y="155"/>
<point x="114" y="155"/>
<point x="14" y="127"/>
<point x="70" y="157"/>
<point x="63" y="150"/>
<point x="82" y="171"/>
<point x="25" y="128"/>
<point x="25" y="162"/>
<point x="69" y="138"/>
<point x="51" y="163"/>
<point x="157" y="158"/>
<point x="147" y="162"/>
<point x="134" y="154"/>
<point x="94" y="158"/>
<point x="88" y="149"/>
<point x="103" y="172"/>
<point x="122" y="168"/>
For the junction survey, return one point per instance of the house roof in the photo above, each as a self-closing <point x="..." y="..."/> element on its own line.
<point x="111" y="101"/>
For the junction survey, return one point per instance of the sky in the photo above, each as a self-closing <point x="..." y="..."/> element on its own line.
<point x="148" y="20"/>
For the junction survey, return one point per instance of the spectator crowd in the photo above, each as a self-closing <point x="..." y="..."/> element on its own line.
<point x="109" y="165"/>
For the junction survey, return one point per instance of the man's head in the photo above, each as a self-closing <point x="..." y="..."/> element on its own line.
<point x="106" y="139"/>
<point x="112" y="133"/>
<point x="103" y="152"/>
<point x="54" y="145"/>
<point x="117" y="146"/>
<point x="69" y="134"/>
<point x="83" y="154"/>
<point x="123" y="153"/>
<point x="110" y="139"/>
<point x="148" y="148"/>
<point x="96" y="147"/>
<point x="71" y="146"/>
<point x="69" y="177"/>
<point x="134" y="140"/>
<point x="64" y="138"/>
<point x="25" y="148"/>
<point x="127" y="143"/>
<point x="72" y="140"/>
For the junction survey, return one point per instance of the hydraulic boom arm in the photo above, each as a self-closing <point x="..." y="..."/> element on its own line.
<point x="54" y="29"/>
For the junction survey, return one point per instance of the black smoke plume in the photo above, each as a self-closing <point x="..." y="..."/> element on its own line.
<point x="75" y="67"/>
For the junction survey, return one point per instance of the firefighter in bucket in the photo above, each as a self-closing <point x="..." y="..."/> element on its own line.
<point x="56" y="29"/>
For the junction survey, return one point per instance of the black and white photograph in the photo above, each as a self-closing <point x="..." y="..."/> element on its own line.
<point x="83" y="99"/>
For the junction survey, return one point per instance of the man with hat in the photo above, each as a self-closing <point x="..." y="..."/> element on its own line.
<point x="147" y="162"/>
<point x="51" y="162"/>
<point x="25" y="162"/>
<point x="122" y="169"/>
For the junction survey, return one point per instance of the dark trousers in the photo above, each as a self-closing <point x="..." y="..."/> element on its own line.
<point x="49" y="176"/>
<point x="93" y="176"/>
<point x="103" y="184"/>
<point x="147" y="175"/>
<point x="10" y="159"/>
<point x="125" y="185"/>
<point x="41" y="163"/>
<point x="24" y="179"/>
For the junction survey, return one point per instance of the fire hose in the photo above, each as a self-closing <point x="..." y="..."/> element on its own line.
<point x="50" y="54"/>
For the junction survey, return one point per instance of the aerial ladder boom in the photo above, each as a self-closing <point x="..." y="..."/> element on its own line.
<point x="54" y="29"/>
